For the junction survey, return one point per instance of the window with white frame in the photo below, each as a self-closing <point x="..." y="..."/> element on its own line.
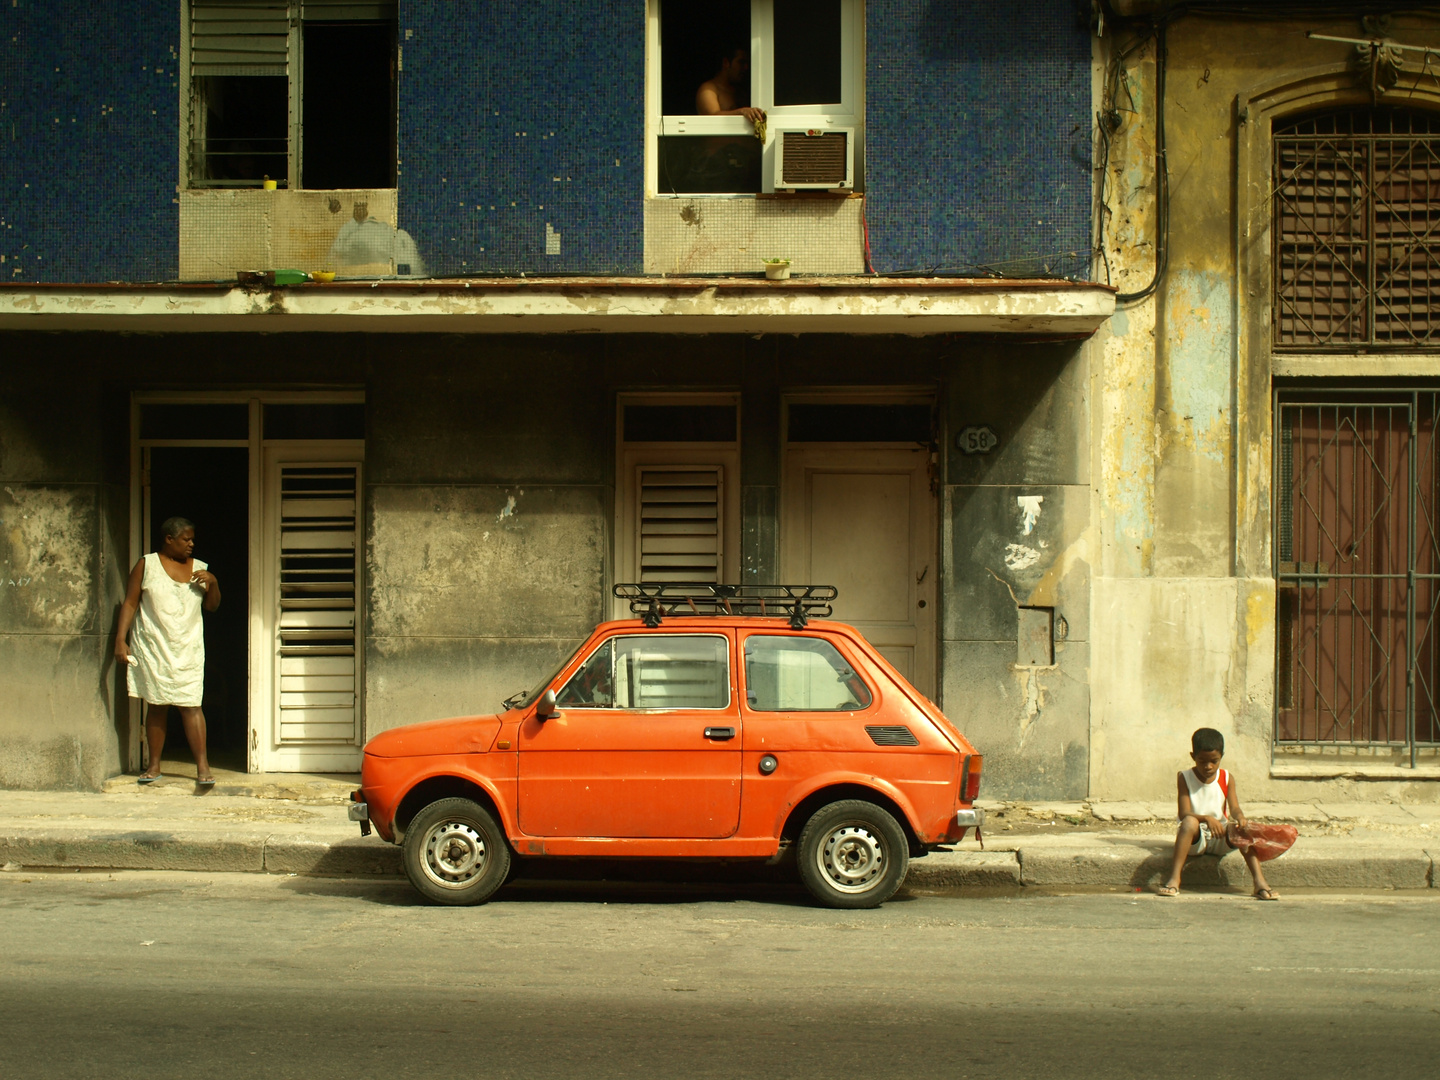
<point x="301" y="92"/>
<point x="712" y="66"/>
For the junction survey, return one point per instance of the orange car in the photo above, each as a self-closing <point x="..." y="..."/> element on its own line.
<point x="721" y="724"/>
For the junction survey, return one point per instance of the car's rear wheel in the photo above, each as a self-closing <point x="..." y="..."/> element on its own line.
<point x="853" y="854"/>
<point x="456" y="853"/>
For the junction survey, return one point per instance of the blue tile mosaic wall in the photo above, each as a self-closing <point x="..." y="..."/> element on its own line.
<point x="520" y="120"/>
<point x="88" y="113"/>
<point x="521" y="127"/>
<point x="978" y="137"/>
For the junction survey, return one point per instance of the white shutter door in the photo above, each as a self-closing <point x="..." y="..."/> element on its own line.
<point x="239" y="37"/>
<point x="679" y="527"/>
<point x="317" y="604"/>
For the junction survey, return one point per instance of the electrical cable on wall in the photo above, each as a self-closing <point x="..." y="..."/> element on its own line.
<point x="1107" y="124"/>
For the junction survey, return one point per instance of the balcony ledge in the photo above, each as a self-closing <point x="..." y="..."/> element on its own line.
<point x="550" y="305"/>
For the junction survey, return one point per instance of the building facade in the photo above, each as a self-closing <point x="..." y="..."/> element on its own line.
<point x="1018" y="399"/>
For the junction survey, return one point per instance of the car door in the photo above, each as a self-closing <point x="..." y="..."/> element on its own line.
<point x="647" y="744"/>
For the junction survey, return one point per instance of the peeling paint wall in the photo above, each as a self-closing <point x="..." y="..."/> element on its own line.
<point x="1183" y="617"/>
<point x="1017" y="534"/>
<point x="230" y="229"/>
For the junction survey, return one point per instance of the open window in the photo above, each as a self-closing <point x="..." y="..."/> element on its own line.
<point x="799" y="61"/>
<point x="301" y="92"/>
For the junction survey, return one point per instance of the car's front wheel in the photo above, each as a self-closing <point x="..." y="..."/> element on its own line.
<point x="853" y="854"/>
<point x="456" y="853"/>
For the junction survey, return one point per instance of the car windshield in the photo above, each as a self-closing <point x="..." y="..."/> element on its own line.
<point x="527" y="698"/>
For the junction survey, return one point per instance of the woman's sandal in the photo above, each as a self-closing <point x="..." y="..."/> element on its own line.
<point x="1266" y="894"/>
<point x="1167" y="890"/>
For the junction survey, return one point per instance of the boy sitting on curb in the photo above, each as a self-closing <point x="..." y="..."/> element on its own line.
<point x="1207" y="799"/>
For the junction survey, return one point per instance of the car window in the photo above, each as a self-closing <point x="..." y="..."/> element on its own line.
<point x="653" y="671"/>
<point x="592" y="686"/>
<point x="800" y="674"/>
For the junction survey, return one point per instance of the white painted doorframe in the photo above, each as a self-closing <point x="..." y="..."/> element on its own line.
<point x="260" y="703"/>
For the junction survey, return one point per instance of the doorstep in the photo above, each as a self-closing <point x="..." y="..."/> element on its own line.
<point x="319" y="789"/>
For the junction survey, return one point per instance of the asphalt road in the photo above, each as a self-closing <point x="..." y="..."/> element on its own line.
<point x="168" y="974"/>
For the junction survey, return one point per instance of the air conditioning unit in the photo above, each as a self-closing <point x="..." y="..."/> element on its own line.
<point x="819" y="158"/>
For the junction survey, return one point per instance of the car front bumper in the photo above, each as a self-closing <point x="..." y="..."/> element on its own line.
<point x="972" y="818"/>
<point x="360" y="811"/>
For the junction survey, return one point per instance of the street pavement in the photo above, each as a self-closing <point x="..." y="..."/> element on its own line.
<point x="164" y="974"/>
<point x="298" y="825"/>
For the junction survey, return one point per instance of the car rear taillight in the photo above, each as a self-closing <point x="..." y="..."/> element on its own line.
<point x="970" y="777"/>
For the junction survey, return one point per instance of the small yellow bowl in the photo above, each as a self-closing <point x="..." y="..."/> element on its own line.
<point x="322" y="275"/>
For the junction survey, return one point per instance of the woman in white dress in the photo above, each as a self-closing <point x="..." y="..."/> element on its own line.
<point x="166" y="655"/>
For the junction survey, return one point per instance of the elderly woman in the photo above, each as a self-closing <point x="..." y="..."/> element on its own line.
<point x="166" y="654"/>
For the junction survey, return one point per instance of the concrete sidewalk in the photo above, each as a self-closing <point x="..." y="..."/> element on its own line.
<point x="1048" y="845"/>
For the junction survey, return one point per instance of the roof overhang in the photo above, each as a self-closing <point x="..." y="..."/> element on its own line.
<point x="847" y="305"/>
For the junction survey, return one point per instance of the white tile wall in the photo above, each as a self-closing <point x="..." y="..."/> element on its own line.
<point x="735" y="236"/>
<point x="225" y="230"/>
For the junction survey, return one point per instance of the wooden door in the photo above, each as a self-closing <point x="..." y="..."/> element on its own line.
<point x="863" y="520"/>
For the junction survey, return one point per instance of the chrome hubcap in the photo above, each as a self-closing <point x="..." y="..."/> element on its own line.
<point x="454" y="854"/>
<point x="852" y="858"/>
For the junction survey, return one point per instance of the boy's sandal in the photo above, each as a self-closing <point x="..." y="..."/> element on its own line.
<point x="1266" y="894"/>
<point x="1167" y="890"/>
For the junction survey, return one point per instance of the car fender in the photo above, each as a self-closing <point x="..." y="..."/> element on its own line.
<point x="808" y="786"/>
<point x="448" y="770"/>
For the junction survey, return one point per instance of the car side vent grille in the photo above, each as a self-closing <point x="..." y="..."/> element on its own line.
<point x="891" y="735"/>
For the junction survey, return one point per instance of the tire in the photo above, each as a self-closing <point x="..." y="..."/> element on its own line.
<point x="455" y="853"/>
<point x="853" y="854"/>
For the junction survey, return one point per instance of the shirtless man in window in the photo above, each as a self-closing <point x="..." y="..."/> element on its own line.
<point x="717" y="94"/>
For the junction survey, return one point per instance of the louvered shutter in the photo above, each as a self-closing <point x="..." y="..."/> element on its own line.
<point x="317" y="604"/>
<point x="679" y="526"/>
<point x="1357" y="230"/>
<point x="239" y="37"/>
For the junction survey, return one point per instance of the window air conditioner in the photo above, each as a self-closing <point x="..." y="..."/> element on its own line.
<point x="815" y="158"/>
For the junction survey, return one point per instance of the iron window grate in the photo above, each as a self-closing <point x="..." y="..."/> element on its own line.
<point x="1356" y="231"/>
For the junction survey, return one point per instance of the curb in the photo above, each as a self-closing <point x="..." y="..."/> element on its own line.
<point x="1320" y="863"/>
<point x="208" y="850"/>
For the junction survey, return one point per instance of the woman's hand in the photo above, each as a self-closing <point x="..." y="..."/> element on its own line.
<point x="203" y="578"/>
<point x="122" y="651"/>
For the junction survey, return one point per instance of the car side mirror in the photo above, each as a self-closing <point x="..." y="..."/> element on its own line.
<point x="545" y="709"/>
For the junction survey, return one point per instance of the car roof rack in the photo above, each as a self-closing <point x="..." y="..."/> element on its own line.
<point x="652" y="601"/>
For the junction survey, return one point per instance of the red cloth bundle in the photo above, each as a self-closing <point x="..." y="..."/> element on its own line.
<point x="1266" y="841"/>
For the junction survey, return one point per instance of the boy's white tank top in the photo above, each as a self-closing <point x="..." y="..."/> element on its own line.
<point x="1207" y="800"/>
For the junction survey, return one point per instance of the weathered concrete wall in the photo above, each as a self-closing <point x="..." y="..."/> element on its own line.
<point x="52" y="643"/>
<point x="474" y="592"/>
<point x="489" y="516"/>
<point x="1184" y="600"/>
<point x="1016" y="525"/>
<point x="58" y="578"/>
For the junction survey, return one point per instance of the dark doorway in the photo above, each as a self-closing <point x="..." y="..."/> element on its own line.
<point x="210" y="486"/>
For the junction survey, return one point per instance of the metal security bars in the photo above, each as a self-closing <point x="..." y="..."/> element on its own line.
<point x="1357" y="490"/>
<point x="1356" y="230"/>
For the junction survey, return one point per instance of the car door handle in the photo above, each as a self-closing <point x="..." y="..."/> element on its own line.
<point x="719" y="733"/>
